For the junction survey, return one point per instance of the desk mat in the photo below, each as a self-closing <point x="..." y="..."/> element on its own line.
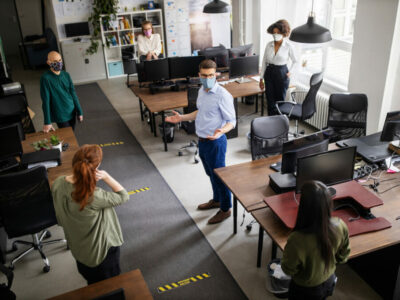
<point x="161" y="239"/>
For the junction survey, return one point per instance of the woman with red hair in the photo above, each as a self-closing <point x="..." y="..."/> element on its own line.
<point x="87" y="215"/>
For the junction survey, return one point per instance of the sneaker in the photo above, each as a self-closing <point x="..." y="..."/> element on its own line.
<point x="209" y="205"/>
<point x="219" y="217"/>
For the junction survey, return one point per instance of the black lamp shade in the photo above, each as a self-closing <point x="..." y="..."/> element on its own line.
<point x="310" y="33"/>
<point x="216" y="7"/>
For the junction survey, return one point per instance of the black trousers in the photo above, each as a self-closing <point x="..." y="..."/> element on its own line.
<point x="108" y="268"/>
<point x="276" y="85"/>
<point x="319" y="292"/>
<point x="70" y="123"/>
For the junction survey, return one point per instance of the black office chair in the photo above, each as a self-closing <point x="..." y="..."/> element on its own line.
<point x="347" y="117"/>
<point x="189" y="126"/>
<point x="130" y="68"/>
<point x="306" y="109"/>
<point x="267" y="135"/>
<point x="16" y="105"/>
<point x="26" y="207"/>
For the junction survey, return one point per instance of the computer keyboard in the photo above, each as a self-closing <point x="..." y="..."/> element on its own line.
<point x="8" y="164"/>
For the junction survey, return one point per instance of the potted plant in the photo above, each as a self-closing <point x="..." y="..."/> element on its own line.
<point x="41" y="145"/>
<point x="55" y="142"/>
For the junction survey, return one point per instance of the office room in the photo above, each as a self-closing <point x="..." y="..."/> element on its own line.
<point x="121" y="119"/>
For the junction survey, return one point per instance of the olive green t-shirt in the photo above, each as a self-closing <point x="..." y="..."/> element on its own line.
<point x="302" y="256"/>
<point x="92" y="231"/>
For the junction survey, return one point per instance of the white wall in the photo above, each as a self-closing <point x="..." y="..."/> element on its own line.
<point x="373" y="36"/>
<point x="30" y="16"/>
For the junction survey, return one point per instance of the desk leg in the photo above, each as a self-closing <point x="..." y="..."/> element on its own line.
<point x="273" y="250"/>
<point x="164" y="137"/>
<point x="262" y="104"/>
<point x="235" y="214"/>
<point x="256" y="103"/>
<point x="154" y="124"/>
<point x="260" y="246"/>
<point x="141" y="109"/>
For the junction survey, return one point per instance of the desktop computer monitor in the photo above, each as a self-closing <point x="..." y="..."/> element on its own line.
<point x="185" y="66"/>
<point x="331" y="167"/>
<point x="297" y="148"/>
<point x="77" y="29"/>
<point x="242" y="66"/>
<point x="245" y="50"/>
<point x="11" y="142"/>
<point x="218" y="54"/>
<point x="156" y="70"/>
<point x="391" y="129"/>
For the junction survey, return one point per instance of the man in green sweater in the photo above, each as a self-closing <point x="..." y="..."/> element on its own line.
<point x="60" y="103"/>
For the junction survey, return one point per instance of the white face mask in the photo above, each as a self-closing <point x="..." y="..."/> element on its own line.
<point x="277" y="37"/>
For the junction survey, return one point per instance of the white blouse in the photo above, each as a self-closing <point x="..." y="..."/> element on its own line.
<point x="281" y="58"/>
<point x="145" y="44"/>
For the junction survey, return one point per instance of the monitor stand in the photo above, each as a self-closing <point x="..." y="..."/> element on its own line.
<point x="243" y="80"/>
<point x="282" y="183"/>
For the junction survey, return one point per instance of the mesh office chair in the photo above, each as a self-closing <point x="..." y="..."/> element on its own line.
<point x="189" y="127"/>
<point x="16" y="105"/>
<point x="267" y="135"/>
<point x="26" y="207"/>
<point x="347" y="117"/>
<point x="306" y="109"/>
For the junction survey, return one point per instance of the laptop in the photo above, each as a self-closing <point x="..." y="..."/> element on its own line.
<point x="369" y="147"/>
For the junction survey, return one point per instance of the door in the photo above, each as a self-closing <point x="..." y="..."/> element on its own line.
<point x="9" y="27"/>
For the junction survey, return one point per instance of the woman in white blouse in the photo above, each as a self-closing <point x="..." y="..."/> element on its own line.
<point x="274" y="68"/>
<point x="149" y="44"/>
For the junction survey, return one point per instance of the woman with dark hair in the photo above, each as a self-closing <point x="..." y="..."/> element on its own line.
<point x="318" y="242"/>
<point x="87" y="215"/>
<point x="149" y="43"/>
<point x="274" y="68"/>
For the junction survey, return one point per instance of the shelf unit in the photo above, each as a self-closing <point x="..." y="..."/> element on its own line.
<point x="121" y="33"/>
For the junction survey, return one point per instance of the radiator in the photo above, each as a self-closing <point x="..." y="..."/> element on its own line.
<point x="320" y="118"/>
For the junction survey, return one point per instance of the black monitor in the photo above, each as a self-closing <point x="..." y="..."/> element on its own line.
<point x="218" y="54"/>
<point x="391" y="129"/>
<point x="156" y="70"/>
<point x="297" y="148"/>
<point x="10" y="145"/>
<point x="185" y="66"/>
<point x="243" y="66"/>
<point x="13" y="120"/>
<point x="245" y="50"/>
<point x="77" y="29"/>
<point x="331" y="167"/>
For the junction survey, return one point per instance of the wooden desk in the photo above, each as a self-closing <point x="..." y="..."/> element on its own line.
<point x="132" y="282"/>
<point x="167" y="100"/>
<point x="67" y="136"/>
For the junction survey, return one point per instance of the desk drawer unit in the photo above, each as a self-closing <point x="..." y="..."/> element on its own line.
<point x="115" y="68"/>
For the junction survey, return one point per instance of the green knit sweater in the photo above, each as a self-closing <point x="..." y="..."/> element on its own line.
<point x="59" y="100"/>
<point x="302" y="256"/>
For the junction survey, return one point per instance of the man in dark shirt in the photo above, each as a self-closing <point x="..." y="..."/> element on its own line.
<point x="60" y="103"/>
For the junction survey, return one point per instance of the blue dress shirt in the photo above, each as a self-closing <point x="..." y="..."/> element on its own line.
<point x="215" y="109"/>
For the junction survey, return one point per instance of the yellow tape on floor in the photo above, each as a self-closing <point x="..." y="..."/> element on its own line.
<point x="139" y="190"/>
<point x="111" y="144"/>
<point x="174" y="285"/>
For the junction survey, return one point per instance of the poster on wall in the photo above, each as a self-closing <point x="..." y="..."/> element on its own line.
<point x="208" y="30"/>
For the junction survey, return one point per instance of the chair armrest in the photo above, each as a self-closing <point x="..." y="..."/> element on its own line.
<point x="282" y="102"/>
<point x="293" y="94"/>
<point x="288" y="102"/>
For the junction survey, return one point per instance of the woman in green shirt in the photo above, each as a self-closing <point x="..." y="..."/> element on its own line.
<point x="87" y="215"/>
<point x="317" y="243"/>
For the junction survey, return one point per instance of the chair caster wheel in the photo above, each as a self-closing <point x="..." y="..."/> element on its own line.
<point x="47" y="235"/>
<point x="46" y="269"/>
<point x="11" y="268"/>
<point x="180" y="153"/>
<point x="196" y="161"/>
<point x="248" y="228"/>
<point x="13" y="248"/>
<point x="302" y="132"/>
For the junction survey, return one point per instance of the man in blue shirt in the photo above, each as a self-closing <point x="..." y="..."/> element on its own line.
<point x="215" y="116"/>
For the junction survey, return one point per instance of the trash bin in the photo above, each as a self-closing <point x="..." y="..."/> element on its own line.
<point x="277" y="281"/>
<point x="169" y="131"/>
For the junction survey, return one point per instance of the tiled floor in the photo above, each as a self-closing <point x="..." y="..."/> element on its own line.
<point x="191" y="185"/>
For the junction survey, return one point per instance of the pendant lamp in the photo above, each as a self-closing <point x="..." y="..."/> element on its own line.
<point x="216" y="7"/>
<point x="310" y="32"/>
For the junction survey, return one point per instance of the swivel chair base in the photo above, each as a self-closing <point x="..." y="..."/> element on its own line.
<point x="36" y="244"/>
<point x="191" y="144"/>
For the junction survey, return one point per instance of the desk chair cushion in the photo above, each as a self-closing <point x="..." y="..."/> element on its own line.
<point x="296" y="112"/>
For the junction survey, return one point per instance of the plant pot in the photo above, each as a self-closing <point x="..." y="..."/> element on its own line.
<point x="59" y="146"/>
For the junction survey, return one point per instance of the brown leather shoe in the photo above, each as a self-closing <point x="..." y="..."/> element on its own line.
<point x="219" y="217"/>
<point x="209" y="205"/>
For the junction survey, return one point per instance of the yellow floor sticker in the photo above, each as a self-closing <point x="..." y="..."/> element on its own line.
<point x="183" y="282"/>
<point x="139" y="190"/>
<point x="111" y="144"/>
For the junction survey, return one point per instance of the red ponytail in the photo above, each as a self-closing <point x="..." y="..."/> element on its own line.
<point x="84" y="164"/>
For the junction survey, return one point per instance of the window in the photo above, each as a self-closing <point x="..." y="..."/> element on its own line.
<point x="334" y="57"/>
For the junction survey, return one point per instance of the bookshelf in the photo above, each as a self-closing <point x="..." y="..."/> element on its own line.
<point x="122" y="32"/>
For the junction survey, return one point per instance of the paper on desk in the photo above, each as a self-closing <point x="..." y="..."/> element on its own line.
<point x="256" y="78"/>
<point x="223" y="82"/>
<point x="46" y="164"/>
